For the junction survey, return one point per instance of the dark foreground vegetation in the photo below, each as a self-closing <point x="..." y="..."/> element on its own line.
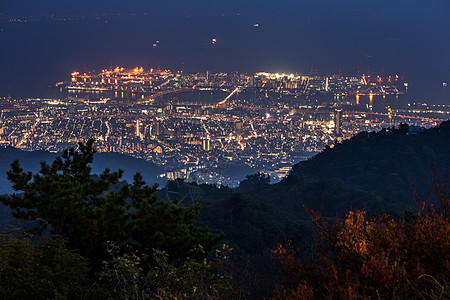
<point x="379" y="258"/>
<point x="325" y="232"/>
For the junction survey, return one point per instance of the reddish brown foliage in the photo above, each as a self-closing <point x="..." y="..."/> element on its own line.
<point x="383" y="258"/>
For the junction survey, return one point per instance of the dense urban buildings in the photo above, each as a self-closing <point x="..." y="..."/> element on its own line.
<point x="196" y="126"/>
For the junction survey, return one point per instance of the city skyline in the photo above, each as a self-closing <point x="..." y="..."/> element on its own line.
<point x="199" y="126"/>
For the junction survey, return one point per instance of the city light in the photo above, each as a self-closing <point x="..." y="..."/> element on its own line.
<point x="180" y="121"/>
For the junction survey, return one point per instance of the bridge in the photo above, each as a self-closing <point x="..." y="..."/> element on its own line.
<point x="167" y="92"/>
<point x="224" y="101"/>
<point x="397" y="116"/>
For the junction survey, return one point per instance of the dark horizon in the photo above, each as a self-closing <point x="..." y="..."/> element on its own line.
<point x="402" y="37"/>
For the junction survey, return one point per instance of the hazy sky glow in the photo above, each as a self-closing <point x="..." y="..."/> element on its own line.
<point x="395" y="36"/>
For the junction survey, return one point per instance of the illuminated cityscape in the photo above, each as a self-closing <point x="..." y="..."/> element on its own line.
<point x="224" y="149"/>
<point x="195" y="126"/>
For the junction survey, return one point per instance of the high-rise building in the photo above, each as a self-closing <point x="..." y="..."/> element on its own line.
<point x="157" y="130"/>
<point x="338" y="122"/>
<point x="206" y="144"/>
<point x="138" y="128"/>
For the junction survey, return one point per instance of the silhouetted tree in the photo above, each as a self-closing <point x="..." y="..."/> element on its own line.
<point x="90" y="211"/>
<point x="254" y="181"/>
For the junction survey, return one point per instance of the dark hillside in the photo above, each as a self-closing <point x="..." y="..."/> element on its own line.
<point x="251" y="227"/>
<point x="386" y="163"/>
<point x="374" y="171"/>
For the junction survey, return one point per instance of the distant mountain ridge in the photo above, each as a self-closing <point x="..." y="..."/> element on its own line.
<point x="30" y="161"/>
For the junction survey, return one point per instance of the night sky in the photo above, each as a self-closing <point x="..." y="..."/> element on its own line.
<point x="390" y="37"/>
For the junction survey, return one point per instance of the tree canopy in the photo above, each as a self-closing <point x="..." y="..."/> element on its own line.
<point x="90" y="210"/>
